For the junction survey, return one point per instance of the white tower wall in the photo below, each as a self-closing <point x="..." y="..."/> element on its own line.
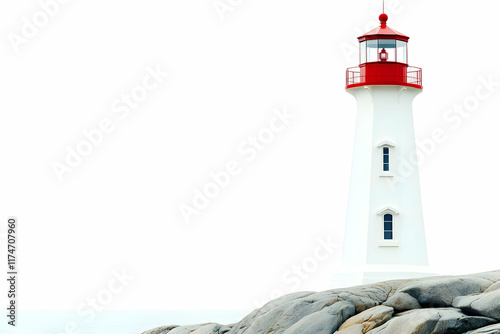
<point x="384" y="118"/>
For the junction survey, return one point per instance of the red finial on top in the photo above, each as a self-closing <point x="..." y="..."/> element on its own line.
<point x="383" y="20"/>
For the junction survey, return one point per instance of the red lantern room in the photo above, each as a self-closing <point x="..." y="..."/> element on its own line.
<point x="383" y="60"/>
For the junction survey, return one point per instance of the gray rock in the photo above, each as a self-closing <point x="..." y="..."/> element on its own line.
<point x="277" y="318"/>
<point x="493" y="287"/>
<point x="212" y="329"/>
<point x="186" y="329"/>
<point x="367" y="320"/>
<point x="367" y="296"/>
<point x="401" y="301"/>
<point x="432" y="321"/>
<point x="326" y="321"/>
<point x="491" y="276"/>
<point x="485" y="304"/>
<point x="493" y="329"/>
<point x="194" y="329"/>
<point x="440" y="292"/>
<point x="279" y="315"/>
<point x="354" y="329"/>
<point x="263" y="319"/>
<point x="160" y="330"/>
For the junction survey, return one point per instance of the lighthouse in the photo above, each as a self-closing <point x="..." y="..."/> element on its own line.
<point x="384" y="233"/>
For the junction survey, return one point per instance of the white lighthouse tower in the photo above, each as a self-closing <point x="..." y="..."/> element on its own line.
<point x="384" y="233"/>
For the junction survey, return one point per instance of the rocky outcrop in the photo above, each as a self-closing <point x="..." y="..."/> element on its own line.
<point x="462" y="304"/>
<point x="367" y="320"/>
<point x="441" y="292"/>
<point x="326" y="321"/>
<point x="485" y="304"/>
<point x="193" y="329"/>
<point x="493" y="329"/>
<point x="401" y="301"/>
<point x="160" y="330"/>
<point x="432" y="320"/>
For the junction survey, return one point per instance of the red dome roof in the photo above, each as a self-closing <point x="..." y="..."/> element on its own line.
<point x="383" y="32"/>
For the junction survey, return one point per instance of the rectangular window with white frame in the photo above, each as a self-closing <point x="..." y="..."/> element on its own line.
<point x="388" y="227"/>
<point x="386" y="154"/>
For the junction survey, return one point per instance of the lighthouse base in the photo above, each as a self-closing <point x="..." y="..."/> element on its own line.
<point x="369" y="274"/>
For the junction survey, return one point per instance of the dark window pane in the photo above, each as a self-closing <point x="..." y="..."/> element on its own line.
<point x="387" y="43"/>
<point x="388" y="235"/>
<point x="386" y="159"/>
<point x="373" y="43"/>
<point x="388" y="217"/>
<point x="387" y="226"/>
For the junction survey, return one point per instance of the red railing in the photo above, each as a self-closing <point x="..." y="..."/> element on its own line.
<point x="356" y="76"/>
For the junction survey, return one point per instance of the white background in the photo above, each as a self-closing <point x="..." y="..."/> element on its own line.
<point x="119" y="209"/>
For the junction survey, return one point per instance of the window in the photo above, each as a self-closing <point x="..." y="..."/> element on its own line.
<point x="386" y="159"/>
<point x="372" y="50"/>
<point x="362" y="52"/>
<point x="388" y="227"/>
<point x="389" y="45"/>
<point x="401" y="53"/>
<point x="369" y="51"/>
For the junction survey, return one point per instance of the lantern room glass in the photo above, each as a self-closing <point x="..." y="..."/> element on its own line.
<point x="401" y="52"/>
<point x="362" y="52"/>
<point x="369" y="51"/>
<point x="372" y="50"/>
